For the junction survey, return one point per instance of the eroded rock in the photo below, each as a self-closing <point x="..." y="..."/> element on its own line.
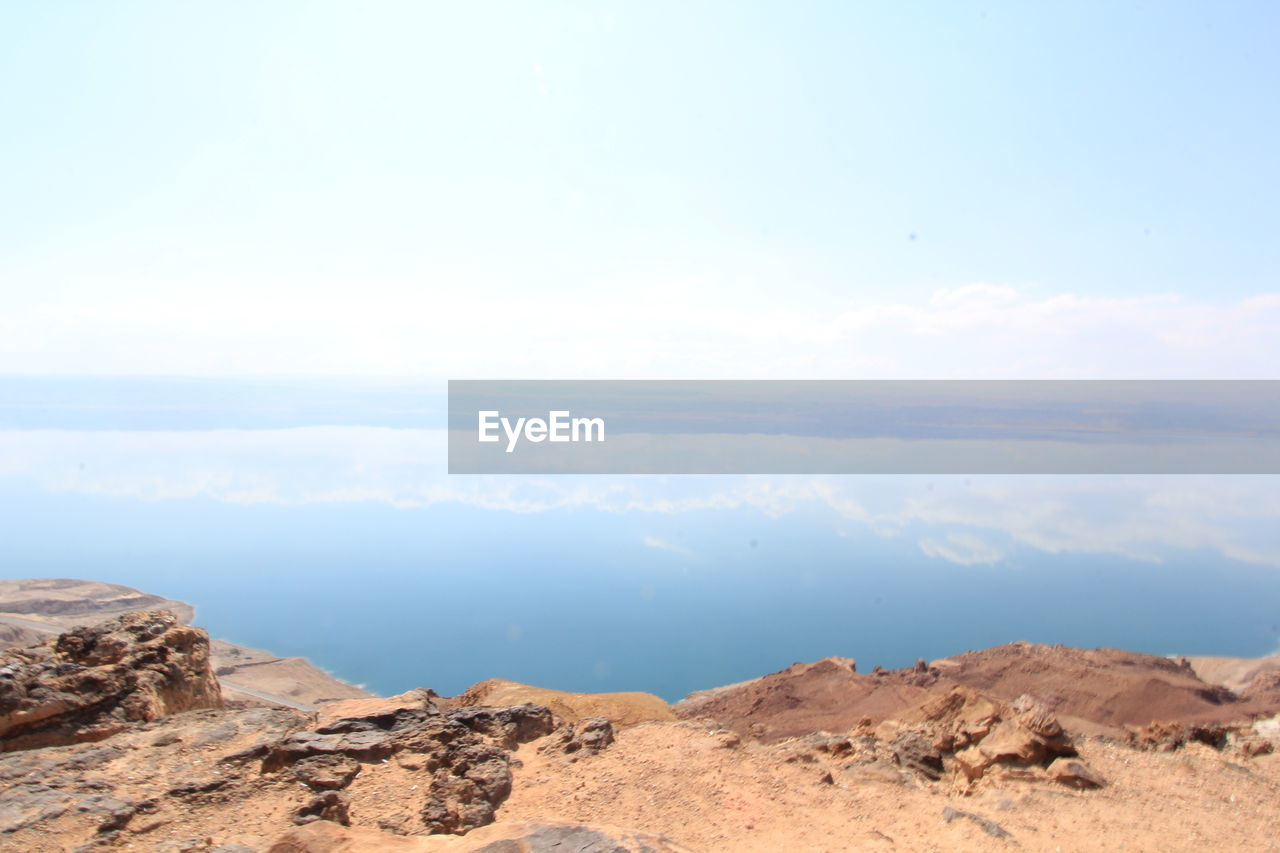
<point x="1032" y="738"/>
<point x="1075" y="773"/>
<point x="465" y="751"/>
<point x="1167" y="737"/>
<point x="508" y="726"/>
<point x="584" y="737"/>
<point x="915" y="751"/>
<point x="93" y="682"/>
<point x="326" y="772"/>
<point x="329" y="805"/>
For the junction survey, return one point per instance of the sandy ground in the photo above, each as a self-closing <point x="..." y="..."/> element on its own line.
<point x="681" y="781"/>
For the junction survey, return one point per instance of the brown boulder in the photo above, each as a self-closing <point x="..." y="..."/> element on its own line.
<point x="417" y="699"/>
<point x="466" y="794"/>
<point x="506" y="726"/>
<point x="585" y="737"/>
<point x="1033" y="737"/>
<point x="329" y="805"/>
<point x="1075" y="773"/>
<point x="326" y="772"/>
<point x="92" y="682"/>
<point x="915" y="751"/>
<point x="959" y="717"/>
<point x="462" y="752"/>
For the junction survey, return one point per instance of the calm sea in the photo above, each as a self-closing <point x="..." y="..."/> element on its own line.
<point x="316" y="519"/>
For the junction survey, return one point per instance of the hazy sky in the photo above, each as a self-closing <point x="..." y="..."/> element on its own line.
<point x="643" y="189"/>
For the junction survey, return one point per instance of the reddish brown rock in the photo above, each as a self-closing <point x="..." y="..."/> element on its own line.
<point x="1109" y="688"/>
<point x="1168" y="736"/>
<point x="829" y="695"/>
<point x="329" y="805"/>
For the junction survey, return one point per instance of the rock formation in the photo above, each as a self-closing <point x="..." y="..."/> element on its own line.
<point x="33" y="610"/>
<point x="91" y="683"/>
<point x="111" y="737"/>
<point x="1100" y="691"/>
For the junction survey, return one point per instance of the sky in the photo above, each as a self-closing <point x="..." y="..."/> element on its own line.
<point x="748" y="190"/>
<point x="377" y="196"/>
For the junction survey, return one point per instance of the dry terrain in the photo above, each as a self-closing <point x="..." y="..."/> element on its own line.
<point x="117" y="735"/>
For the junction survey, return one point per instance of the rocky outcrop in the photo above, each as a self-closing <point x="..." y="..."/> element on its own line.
<point x="1169" y="736"/>
<point x="1031" y="736"/>
<point x="506" y="726"/>
<point x="957" y="719"/>
<point x="1099" y="691"/>
<point x="914" y="751"/>
<point x="91" y="683"/>
<point x="584" y="737"/>
<point x="963" y="733"/>
<point x="32" y="610"/>
<point x="141" y="774"/>
<point x="1105" y="688"/>
<point x="462" y="752"/>
<point x="1075" y="774"/>
<point x="326" y="772"/>
<point x="1245" y="739"/>
<point x="327" y="805"/>
<point x="401" y="765"/>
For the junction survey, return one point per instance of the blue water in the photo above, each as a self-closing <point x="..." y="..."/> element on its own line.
<point x="349" y="545"/>
<point x="443" y="597"/>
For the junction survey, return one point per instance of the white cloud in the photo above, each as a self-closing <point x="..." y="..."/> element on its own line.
<point x="448" y="325"/>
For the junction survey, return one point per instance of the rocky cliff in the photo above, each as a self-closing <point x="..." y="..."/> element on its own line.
<point x="34" y="609"/>
<point x="91" y="683"/>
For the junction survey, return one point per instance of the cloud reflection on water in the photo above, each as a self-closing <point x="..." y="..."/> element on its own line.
<point x="966" y="520"/>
